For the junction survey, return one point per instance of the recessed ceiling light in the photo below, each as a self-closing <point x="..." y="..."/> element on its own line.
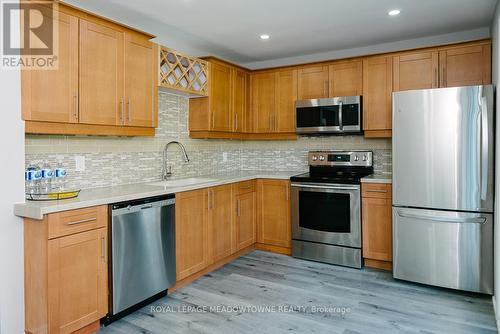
<point x="264" y="36"/>
<point x="394" y="12"/>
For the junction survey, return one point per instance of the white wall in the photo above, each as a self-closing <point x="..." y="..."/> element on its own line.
<point x="12" y="190"/>
<point x="495" y="35"/>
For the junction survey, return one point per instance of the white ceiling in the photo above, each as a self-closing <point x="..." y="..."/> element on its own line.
<point x="299" y="29"/>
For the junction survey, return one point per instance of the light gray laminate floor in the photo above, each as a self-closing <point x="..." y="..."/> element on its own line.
<point x="373" y="302"/>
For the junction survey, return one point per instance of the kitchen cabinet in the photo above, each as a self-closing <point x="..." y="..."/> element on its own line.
<point x="416" y="70"/>
<point x="66" y="270"/>
<point x="377" y="96"/>
<point x="240" y="100"/>
<point x="223" y="113"/>
<point x="286" y="95"/>
<point x="39" y="103"/>
<point x="141" y="93"/>
<point x="192" y="232"/>
<point x="376" y="199"/>
<point x="106" y="82"/>
<point x="274" y="224"/>
<point x="346" y="78"/>
<point x="313" y="82"/>
<point x="245" y="227"/>
<point x="220" y="221"/>
<point x="101" y="99"/>
<point x="263" y="101"/>
<point x="464" y="66"/>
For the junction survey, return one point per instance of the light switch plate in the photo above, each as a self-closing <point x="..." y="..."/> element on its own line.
<point x="224" y="156"/>
<point x="80" y="163"/>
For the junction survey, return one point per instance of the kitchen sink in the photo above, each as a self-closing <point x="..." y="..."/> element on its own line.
<point x="182" y="182"/>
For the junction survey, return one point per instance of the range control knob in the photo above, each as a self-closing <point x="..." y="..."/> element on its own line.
<point x="321" y="158"/>
<point x="356" y="158"/>
<point x="314" y="158"/>
<point x="364" y="157"/>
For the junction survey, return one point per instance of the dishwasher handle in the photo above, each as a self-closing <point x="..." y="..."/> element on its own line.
<point x="116" y="211"/>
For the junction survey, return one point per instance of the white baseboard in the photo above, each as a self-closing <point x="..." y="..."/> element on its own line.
<point x="497" y="316"/>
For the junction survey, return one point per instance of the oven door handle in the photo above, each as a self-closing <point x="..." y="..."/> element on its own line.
<point x="301" y="185"/>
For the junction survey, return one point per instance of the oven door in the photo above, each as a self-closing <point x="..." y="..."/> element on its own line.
<point x="326" y="213"/>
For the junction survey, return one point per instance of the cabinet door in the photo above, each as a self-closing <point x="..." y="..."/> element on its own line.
<point x="220" y="97"/>
<point x="469" y="65"/>
<point x="102" y="98"/>
<point x="240" y="88"/>
<point x="52" y="95"/>
<point x="377" y="93"/>
<point x="263" y="90"/>
<point x="221" y="221"/>
<point x="346" y="79"/>
<point x="77" y="280"/>
<point x="140" y="82"/>
<point x="274" y="225"/>
<point x="245" y="221"/>
<point x="286" y="95"/>
<point x="415" y="71"/>
<point x="191" y="232"/>
<point x="313" y="82"/>
<point x="377" y="228"/>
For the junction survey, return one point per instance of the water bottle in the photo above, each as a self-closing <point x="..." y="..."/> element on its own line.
<point x="61" y="174"/>
<point x="47" y="176"/>
<point x="32" y="175"/>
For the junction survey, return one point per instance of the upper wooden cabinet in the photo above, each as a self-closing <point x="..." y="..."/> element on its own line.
<point x="377" y="96"/>
<point x="101" y="99"/>
<point x="274" y="224"/>
<point x="467" y="65"/>
<point x="106" y="82"/>
<point x="313" y="82"/>
<point x="419" y="70"/>
<point x="346" y="78"/>
<point x="342" y="78"/>
<point x="38" y="86"/>
<point x="225" y="107"/>
<point x="141" y="92"/>
<point x="286" y="95"/>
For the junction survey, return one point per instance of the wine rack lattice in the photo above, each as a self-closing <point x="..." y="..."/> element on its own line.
<point x="182" y="72"/>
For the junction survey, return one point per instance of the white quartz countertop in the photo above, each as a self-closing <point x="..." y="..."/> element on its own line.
<point x="108" y="195"/>
<point x="377" y="178"/>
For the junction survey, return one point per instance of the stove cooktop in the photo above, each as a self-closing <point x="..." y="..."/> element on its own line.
<point x="339" y="179"/>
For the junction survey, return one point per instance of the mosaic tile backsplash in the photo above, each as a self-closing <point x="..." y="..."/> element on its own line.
<point x="122" y="160"/>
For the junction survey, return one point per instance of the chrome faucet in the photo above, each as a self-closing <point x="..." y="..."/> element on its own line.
<point x="167" y="169"/>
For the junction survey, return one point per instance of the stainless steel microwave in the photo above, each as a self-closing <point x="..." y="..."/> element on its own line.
<point x="337" y="115"/>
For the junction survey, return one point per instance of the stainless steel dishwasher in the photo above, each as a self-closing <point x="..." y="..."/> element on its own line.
<point x="142" y="251"/>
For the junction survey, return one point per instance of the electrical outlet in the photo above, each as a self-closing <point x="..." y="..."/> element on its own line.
<point x="80" y="163"/>
<point x="224" y="156"/>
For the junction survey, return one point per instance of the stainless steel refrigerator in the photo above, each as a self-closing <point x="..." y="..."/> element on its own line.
<point x="443" y="162"/>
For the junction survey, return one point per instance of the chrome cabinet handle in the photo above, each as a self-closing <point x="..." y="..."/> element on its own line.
<point x="81" y="221"/>
<point x="77" y="108"/>
<point x="208" y="200"/>
<point x="275" y="123"/>
<point x="129" y="110"/>
<point x="484" y="146"/>
<point x="436" y="77"/>
<point x="324" y="88"/>
<point x="238" y="207"/>
<point x="122" y="104"/>
<point x="341" y="125"/>
<point x="478" y="220"/>
<point x="236" y="121"/>
<point x="213" y="199"/>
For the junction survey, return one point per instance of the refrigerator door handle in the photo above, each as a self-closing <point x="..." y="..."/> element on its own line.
<point x="484" y="146"/>
<point x="475" y="220"/>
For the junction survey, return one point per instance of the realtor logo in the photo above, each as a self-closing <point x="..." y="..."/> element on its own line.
<point x="29" y="35"/>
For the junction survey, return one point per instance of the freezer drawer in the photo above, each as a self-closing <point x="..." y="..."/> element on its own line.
<point x="443" y="248"/>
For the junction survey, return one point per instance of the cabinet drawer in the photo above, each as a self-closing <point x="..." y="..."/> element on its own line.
<point x="245" y="187"/>
<point x="376" y="190"/>
<point x="76" y="221"/>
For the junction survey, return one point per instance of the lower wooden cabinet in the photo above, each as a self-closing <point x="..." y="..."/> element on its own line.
<point x="66" y="276"/>
<point x="245" y="227"/>
<point x="191" y="232"/>
<point x="220" y="221"/>
<point x="273" y="203"/>
<point x="377" y="225"/>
